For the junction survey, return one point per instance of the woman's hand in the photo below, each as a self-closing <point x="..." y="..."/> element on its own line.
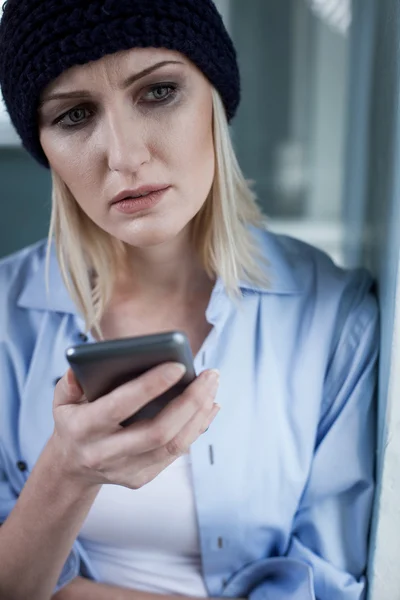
<point x="92" y="446"/>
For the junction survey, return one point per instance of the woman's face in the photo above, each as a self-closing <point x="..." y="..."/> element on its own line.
<point x="133" y="123"/>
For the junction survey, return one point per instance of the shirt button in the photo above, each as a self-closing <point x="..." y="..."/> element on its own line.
<point x="22" y="466"/>
<point x="83" y="337"/>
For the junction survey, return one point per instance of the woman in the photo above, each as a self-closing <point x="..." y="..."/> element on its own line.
<point x="155" y="229"/>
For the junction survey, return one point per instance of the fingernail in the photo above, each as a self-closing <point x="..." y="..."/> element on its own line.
<point x="74" y="388"/>
<point x="213" y="380"/>
<point x="175" y="372"/>
<point x="214" y="412"/>
<point x="70" y="377"/>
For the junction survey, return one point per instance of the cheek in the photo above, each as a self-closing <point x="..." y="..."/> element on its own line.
<point x="61" y="153"/>
<point x="74" y="166"/>
<point x="192" y="155"/>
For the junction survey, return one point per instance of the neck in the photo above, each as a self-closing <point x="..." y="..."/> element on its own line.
<point x="168" y="269"/>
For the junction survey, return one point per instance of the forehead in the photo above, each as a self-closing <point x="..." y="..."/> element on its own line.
<point x="112" y="68"/>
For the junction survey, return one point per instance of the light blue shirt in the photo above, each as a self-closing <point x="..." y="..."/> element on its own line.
<point x="283" y="479"/>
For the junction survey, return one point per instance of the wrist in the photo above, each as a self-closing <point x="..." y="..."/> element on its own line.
<point x="58" y="463"/>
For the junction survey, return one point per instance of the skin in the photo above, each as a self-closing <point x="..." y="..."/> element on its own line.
<point x="124" y="138"/>
<point x="87" y="449"/>
<point x="114" y="136"/>
<point x="117" y="136"/>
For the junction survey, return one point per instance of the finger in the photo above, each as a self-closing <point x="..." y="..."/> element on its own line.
<point x="144" y="436"/>
<point x="197" y="399"/>
<point x="67" y="390"/>
<point x="106" y="413"/>
<point x="190" y="433"/>
<point x="209" y="421"/>
<point x="151" y="464"/>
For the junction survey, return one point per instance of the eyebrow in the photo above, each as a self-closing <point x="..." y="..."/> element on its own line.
<point x="124" y="85"/>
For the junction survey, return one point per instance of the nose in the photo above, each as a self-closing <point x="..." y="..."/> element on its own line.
<point x="126" y="145"/>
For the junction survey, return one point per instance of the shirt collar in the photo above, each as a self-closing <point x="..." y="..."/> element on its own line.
<point x="281" y="274"/>
<point x="279" y="267"/>
<point x="34" y="294"/>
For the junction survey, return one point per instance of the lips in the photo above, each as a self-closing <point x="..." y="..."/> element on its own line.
<point x="141" y="192"/>
<point x="135" y="203"/>
<point x="140" y="195"/>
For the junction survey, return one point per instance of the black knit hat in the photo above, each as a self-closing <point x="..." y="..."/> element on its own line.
<point x="40" y="39"/>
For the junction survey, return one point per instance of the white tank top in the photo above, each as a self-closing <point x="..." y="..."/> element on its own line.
<point x="147" y="539"/>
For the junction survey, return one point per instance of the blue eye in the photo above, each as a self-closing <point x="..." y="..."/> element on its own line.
<point x="161" y="92"/>
<point x="76" y="115"/>
<point x="73" y="118"/>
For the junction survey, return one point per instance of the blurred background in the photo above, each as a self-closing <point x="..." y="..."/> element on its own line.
<point x="291" y="127"/>
<point x="318" y="131"/>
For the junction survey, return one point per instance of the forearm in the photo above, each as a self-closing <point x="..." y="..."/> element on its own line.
<point x="37" y="537"/>
<point x="85" y="589"/>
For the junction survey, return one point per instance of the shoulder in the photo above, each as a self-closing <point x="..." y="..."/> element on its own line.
<point x="19" y="265"/>
<point x="28" y="281"/>
<point x="18" y="327"/>
<point x="297" y="268"/>
<point x="332" y="307"/>
<point x="332" y="311"/>
<point x="16" y="270"/>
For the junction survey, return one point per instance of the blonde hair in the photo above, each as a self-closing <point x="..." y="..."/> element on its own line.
<point x="89" y="257"/>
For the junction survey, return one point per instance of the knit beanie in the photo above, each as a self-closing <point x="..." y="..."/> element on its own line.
<point x="40" y="39"/>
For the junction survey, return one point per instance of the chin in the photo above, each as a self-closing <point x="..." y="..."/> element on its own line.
<point x="146" y="237"/>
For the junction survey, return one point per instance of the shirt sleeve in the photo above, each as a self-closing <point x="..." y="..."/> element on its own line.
<point x="327" y="555"/>
<point x="75" y="563"/>
<point x="11" y="479"/>
<point x="8" y="497"/>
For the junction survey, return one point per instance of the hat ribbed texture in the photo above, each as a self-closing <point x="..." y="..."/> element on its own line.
<point x="40" y="39"/>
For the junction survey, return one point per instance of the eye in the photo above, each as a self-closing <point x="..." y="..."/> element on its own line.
<point x="72" y="118"/>
<point x="161" y="92"/>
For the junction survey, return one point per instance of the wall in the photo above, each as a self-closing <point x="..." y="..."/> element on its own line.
<point x="329" y="124"/>
<point x="25" y="200"/>
<point x="373" y="234"/>
<point x="261" y="32"/>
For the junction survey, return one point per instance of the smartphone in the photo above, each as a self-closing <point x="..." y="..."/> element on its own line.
<point x="101" y="367"/>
